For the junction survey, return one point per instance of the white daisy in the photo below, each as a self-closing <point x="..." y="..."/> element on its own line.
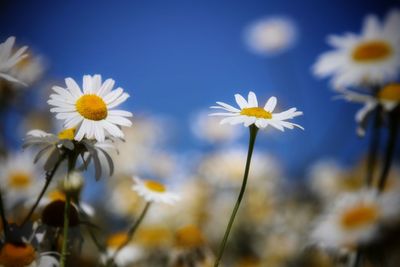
<point x="8" y="59"/>
<point x="30" y="69"/>
<point x="270" y="35"/>
<point x="355" y="219"/>
<point x="250" y="113"/>
<point x="388" y="97"/>
<point x="20" y="179"/>
<point x="370" y="58"/>
<point x="91" y="111"/>
<point x="153" y="191"/>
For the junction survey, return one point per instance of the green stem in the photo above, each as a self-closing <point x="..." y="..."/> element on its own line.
<point x="131" y="233"/>
<point x="3" y="217"/>
<point x="64" y="250"/>
<point x="373" y="147"/>
<point x="390" y="149"/>
<point x="253" y="134"/>
<point x="49" y="178"/>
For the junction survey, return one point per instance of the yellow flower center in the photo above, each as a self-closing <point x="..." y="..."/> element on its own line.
<point x="155" y="186"/>
<point x="189" y="236"/>
<point x="116" y="240"/>
<point x="256" y="112"/>
<point x="359" y="215"/>
<point x="19" y="180"/>
<point x="23" y="63"/>
<point x="153" y="236"/>
<point x="390" y="92"/>
<point x="20" y="255"/>
<point x="67" y="134"/>
<point x="375" y="50"/>
<point x="92" y="107"/>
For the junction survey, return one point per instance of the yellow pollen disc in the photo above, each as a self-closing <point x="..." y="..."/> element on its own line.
<point x="57" y="195"/>
<point x="360" y="215"/>
<point x="116" y="240"/>
<point x="16" y="255"/>
<point x="67" y="134"/>
<point x="155" y="186"/>
<point x="19" y="180"/>
<point x="256" y="112"/>
<point x="370" y="51"/>
<point x="189" y="236"/>
<point x="23" y="63"/>
<point x="390" y="92"/>
<point x="92" y="107"/>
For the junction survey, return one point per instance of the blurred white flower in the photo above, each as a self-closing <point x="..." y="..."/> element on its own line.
<point x="30" y="69"/>
<point x="250" y="113"/>
<point x="9" y="58"/>
<point x="388" y="97"/>
<point x="354" y="219"/>
<point x="369" y="58"/>
<point x="271" y="35"/>
<point x="91" y="111"/>
<point x="20" y="179"/>
<point x="208" y="129"/>
<point x="153" y="191"/>
<point x="128" y="255"/>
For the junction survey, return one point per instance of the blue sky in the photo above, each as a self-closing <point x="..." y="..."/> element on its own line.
<point x="177" y="57"/>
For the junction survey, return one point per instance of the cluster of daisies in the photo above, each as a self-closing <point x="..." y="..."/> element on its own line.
<point x="364" y="68"/>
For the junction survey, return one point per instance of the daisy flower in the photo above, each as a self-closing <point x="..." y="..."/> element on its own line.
<point x="270" y="35"/>
<point x="355" y="219"/>
<point x="369" y="58"/>
<point x="19" y="178"/>
<point x="8" y="59"/>
<point x="30" y="69"/>
<point x="250" y="113"/>
<point x="91" y="111"/>
<point x="388" y="97"/>
<point x="153" y="191"/>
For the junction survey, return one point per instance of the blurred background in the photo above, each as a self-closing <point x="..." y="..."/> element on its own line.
<point x="175" y="59"/>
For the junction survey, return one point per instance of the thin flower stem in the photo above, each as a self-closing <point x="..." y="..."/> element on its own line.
<point x="64" y="250"/>
<point x="3" y="217"/>
<point x="373" y="147"/>
<point x="253" y="134"/>
<point x="131" y="233"/>
<point x="49" y="178"/>
<point x="390" y="149"/>
<point x="358" y="259"/>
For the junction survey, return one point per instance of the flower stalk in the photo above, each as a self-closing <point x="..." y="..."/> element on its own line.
<point x="253" y="134"/>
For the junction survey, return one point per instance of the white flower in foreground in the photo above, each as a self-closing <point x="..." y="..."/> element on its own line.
<point x="20" y="179"/>
<point x="250" y="113"/>
<point x="388" y="97"/>
<point x="369" y="58"/>
<point x="8" y="59"/>
<point x="91" y="111"/>
<point x="271" y="35"/>
<point x="355" y="219"/>
<point x="153" y="191"/>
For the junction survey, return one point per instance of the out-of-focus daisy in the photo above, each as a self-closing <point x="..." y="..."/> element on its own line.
<point x="91" y="111"/>
<point x="370" y="58"/>
<point x="388" y="97"/>
<point x="191" y="249"/>
<point x="153" y="191"/>
<point x="250" y="113"/>
<point x="127" y="256"/>
<point x="30" y="69"/>
<point x="271" y="35"/>
<point x="208" y="129"/>
<point x="20" y="178"/>
<point x="9" y="58"/>
<point x="354" y="220"/>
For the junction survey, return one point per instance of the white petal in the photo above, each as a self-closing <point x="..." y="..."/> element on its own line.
<point x="241" y="101"/>
<point x="271" y="104"/>
<point x="252" y="98"/>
